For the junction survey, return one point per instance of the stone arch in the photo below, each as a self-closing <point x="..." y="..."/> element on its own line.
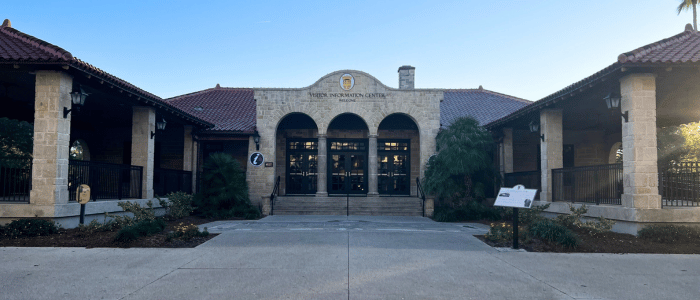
<point x="612" y="157"/>
<point x="362" y="112"/>
<point x="350" y="116"/>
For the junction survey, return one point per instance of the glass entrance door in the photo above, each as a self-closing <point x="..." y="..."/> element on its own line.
<point x="394" y="167"/>
<point x="302" y="166"/>
<point x="347" y="167"/>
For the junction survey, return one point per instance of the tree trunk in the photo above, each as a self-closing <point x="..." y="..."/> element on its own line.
<point x="695" y="16"/>
<point x="468" y="185"/>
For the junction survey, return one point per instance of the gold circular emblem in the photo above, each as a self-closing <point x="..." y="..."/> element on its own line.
<point x="347" y="82"/>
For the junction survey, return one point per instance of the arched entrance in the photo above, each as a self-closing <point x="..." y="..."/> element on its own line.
<point x="397" y="152"/>
<point x="348" y="156"/>
<point x="297" y="140"/>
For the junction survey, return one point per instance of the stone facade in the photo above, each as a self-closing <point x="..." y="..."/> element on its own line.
<point x="326" y="99"/>
<point x="551" y="149"/>
<point x="142" y="145"/>
<point x="640" y="177"/>
<point x="51" y="142"/>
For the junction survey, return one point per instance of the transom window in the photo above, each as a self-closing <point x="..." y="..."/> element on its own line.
<point x="303" y="145"/>
<point x="359" y="146"/>
<point x="392" y="146"/>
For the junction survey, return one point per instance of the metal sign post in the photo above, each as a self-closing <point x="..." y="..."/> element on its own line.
<point x="83" y="197"/>
<point x="516" y="197"/>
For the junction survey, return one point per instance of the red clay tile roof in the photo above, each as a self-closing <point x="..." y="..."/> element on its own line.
<point x="483" y="105"/>
<point x="680" y="48"/>
<point x="17" y="47"/>
<point x="229" y="109"/>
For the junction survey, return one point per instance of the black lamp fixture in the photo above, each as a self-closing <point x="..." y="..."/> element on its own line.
<point x="160" y="126"/>
<point x="612" y="100"/>
<point x="535" y="127"/>
<point x="256" y="139"/>
<point x="78" y="100"/>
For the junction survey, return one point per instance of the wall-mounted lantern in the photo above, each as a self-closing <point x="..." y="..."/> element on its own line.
<point x="159" y="126"/>
<point x="535" y="127"/>
<point x="256" y="139"/>
<point x="78" y="100"/>
<point x="612" y="100"/>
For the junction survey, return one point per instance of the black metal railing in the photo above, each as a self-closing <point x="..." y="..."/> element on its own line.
<point x="679" y="184"/>
<point x="106" y="181"/>
<point x="15" y="180"/>
<point x="166" y="181"/>
<point x="274" y="193"/>
<point x="420" y="193"/>
<point x="590" y="184"/>
<point x="529" y="179"/>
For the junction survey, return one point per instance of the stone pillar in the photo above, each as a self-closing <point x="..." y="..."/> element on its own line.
<point x="195" y="165"/>
<point x="266" y="205"/>
<point x="508" y="150"/>
<point x="188" y="150"/>
<point x="142" y="146"/>
<point x="322" y="183"/>
<point x="639" y="161"/>
<point x="552" y="149"/>
<point x="51" y="140"/>
<point x="373" y="171"/>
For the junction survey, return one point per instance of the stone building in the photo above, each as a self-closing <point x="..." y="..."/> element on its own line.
<point x="348" y="144"/>
<point x="345" y="144"/>
<point x="595" y="141"/>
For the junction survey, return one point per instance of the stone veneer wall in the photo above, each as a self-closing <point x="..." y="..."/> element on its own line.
<point x="423" y="106"/>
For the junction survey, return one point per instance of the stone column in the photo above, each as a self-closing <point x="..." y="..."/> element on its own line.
<point x="508" y="150"/>
<point x="639" y="161"/>
<point x="552" y="149"/>
<point x="51" y="140"/>
<point x="372" y="189"/>
<point x="322" y="168"/>
<point x="195" y="165"/>
<point x="142" y="146"/>
<point x="188" y="150"/>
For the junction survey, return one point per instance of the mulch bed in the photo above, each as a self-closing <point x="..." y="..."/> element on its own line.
<point x="76" y="238"/>
<point x="609" y="242"/>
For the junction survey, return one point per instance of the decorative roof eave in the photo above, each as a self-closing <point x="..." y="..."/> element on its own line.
<point x="558" y="96"/>
<point x="147" y="97"/>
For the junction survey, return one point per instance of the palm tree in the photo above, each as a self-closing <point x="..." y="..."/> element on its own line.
<point x="687" y="4"/>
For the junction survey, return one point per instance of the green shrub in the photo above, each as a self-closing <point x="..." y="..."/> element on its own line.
<point x="186" y="232"/>
<point x="503" y="233"/>
<point x="178" y="205"/>
<point x="30" y="228"/>
<point x="142" y="228"/>
<point x="573" y="220"/>
<point x="670" y="234"/>
<point x="224" y="186"/>
<point x="549" y="230"/>
<point x="126" y="234"/>
<point x="139" y="214"/>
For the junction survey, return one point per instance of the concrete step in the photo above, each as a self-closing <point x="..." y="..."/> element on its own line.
<point x="373" y="206"/>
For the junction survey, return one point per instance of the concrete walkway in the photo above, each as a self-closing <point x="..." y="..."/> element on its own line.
<point x="338" y="257"/>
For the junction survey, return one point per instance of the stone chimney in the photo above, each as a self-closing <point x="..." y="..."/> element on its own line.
<point x="407" y="78"/>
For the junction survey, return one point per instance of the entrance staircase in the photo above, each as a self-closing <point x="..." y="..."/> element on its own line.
<point x="363" y="206"/>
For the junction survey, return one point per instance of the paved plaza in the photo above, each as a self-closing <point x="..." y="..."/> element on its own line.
<point x="338" y="257"/>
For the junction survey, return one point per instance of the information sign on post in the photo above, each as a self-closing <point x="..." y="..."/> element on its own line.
<point x="515" y="197"/>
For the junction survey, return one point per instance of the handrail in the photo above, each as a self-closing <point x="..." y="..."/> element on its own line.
<point x="420" y="193"/>
<point x="274" y="192"/>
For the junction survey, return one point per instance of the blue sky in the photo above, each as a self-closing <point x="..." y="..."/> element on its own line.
<point x="527" y="49"/>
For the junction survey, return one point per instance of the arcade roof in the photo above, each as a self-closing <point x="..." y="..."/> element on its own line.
<point x="18" y="48"/>
<point x="681" y="49"/>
